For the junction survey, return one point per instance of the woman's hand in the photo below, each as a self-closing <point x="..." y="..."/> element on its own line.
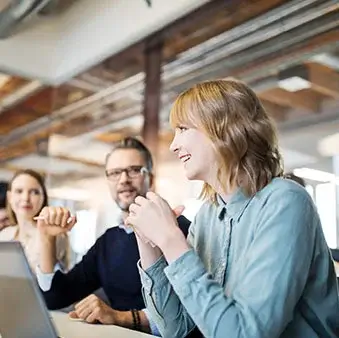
<point x="53" y="221"/>
<point x="154" y="220"/>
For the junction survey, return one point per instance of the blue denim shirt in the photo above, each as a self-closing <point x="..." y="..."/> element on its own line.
<point x="259" y="267"/>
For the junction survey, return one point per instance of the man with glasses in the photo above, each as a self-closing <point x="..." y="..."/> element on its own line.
<point x="111" y="264"/>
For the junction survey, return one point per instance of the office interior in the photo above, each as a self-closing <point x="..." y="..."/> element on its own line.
<point x="75" y="76"/>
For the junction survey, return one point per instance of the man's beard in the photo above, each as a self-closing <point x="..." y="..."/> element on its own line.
<point x="122" y="208"/>
<point x="125" y="207"/>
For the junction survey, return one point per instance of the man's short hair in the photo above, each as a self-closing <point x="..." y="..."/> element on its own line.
<point x="133" y="143"/>
<point x="295" y="178"/>
<point x="3" y="194"/>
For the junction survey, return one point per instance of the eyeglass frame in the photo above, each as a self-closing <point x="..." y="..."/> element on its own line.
<point x="142" y="171"/>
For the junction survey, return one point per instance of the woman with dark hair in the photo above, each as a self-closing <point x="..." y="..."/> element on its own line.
<point x="26" y="197"/>
<point x="256" y="263"/>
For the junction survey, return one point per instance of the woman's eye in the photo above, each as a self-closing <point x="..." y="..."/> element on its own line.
<point x="182" y="128"/>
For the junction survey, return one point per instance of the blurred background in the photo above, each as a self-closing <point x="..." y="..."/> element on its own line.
<point x="77" y="75"/>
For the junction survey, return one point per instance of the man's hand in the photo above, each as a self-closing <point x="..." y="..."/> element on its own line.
<point x="53" y="221"/>
<point x="92" y="310"/>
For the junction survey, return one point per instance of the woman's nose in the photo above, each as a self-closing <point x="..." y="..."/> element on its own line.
<point x="174" y="146"/>
<point x="26" y="196"/>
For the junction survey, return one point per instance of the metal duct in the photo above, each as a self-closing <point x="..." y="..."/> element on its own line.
<point x="237" y="54"/>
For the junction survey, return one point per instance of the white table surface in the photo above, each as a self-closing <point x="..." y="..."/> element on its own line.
<point x="67" y="328"/>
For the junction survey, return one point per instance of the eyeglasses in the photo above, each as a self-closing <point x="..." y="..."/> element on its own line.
<point x="132" y="172"/>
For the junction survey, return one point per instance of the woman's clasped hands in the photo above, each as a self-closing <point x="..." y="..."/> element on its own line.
<point x="153" y="220"/>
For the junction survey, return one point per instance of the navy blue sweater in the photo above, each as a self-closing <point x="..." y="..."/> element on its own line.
<point x="110" y="264"/>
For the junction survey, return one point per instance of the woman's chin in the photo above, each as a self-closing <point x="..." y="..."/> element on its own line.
<point x="191" y="176"/>
<point x="25" y="216"/>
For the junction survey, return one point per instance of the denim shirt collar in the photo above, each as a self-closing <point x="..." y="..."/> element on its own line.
<point x="235" y="207"/>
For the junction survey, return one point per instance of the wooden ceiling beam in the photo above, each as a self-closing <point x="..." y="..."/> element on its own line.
<point x="284" y="98"/>
<point x="324" y="80"/>
<point x="25" y="147"/>
<point x="11" y="85"/>
<point x="30" y="146"/>
<point x="277" y="112"/>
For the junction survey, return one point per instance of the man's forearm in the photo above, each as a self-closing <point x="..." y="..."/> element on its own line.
<point x="47" y="259"/>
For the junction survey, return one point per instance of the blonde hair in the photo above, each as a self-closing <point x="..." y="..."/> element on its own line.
<point x="230" y="114"/>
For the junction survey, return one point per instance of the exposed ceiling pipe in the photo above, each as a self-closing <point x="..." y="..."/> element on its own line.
<point x="211" y="65"/>
<point x="135" y="82"/>
<point x="266" y="26"/>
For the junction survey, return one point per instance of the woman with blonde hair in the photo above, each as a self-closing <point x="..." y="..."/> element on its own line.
<point x="256" y="263"/>
<point x="26" y="197"/>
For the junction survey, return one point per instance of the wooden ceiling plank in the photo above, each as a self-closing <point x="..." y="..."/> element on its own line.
<point x="324" y="80"/>
<point x="277" y="112"/>
<point x="291" y="99"/>
<point x="13" y="84"/>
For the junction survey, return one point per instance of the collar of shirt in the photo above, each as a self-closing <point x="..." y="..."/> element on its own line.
<point x="235" y="206"/>
<point x="122" y="225"/>
<point x="128" y="230"/>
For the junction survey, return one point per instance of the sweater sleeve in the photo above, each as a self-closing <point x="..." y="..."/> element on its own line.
<point x="184" y="224"/>
<point x="79" y="282"/>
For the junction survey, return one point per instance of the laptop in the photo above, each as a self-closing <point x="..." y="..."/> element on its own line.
<point x="23" y="313"/>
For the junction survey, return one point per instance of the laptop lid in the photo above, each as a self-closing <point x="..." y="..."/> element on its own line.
<point x="23" y="313"/>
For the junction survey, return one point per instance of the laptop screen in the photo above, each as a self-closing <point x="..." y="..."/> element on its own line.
<point x="22" y="308"/>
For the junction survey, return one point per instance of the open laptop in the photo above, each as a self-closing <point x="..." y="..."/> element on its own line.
<point x="23" y="313"/>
